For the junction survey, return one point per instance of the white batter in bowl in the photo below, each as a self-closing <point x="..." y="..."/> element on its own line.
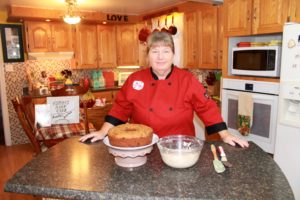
<point x="180" y="151"/>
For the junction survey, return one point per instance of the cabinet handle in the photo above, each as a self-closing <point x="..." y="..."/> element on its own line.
<point x="248" y="15"/>
<point x="254" y="14"/>
<point x="53" y="41"/>
<point x="49" y="42"/>
<point x="221" y="54"/>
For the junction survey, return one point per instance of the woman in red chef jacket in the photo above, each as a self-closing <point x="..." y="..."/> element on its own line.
<point x="165" y="98"/>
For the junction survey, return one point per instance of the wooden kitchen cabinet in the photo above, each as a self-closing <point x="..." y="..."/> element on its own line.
<point x="201" y="38"/>
<point x="208" y="39"/>
<point x="48" y="37"/>
<point x="110" y="95"/>
<point x="127" y="45"/>
<point x="246" y="17"/>
<point x="294" y="11"/>
<point x="86" y="47"/>
<point x="221" y="37"/>
<point x="107" y="47"/>
<point x="191" y="40"/>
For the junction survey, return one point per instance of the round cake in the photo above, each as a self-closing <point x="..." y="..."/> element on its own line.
<point x="130" y="135"/>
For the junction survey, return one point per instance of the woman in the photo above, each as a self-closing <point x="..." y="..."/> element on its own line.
<point x="165" y="98"/>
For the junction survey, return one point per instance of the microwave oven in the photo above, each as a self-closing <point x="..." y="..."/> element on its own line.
<point x="256" y="61"/>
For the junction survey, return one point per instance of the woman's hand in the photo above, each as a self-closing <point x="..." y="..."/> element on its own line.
<point x="97" y="135"/>
<point x="232" y="140"/>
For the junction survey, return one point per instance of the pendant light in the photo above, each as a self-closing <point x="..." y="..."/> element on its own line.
<point x="72" y="17"/>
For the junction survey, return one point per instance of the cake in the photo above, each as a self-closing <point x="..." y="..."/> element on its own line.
<point x="130" y="135"/>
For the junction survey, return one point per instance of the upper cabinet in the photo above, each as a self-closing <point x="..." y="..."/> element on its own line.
<point x="48" y="37"/>
<point x="127" y="45"/>
<point x="208" y="56"/>
<point x="246" y="17"/>
<point x="103" y="46"/>
<point x="294" y="11"/>
<point x="107" y="47"/>
<point x="221" y="37"/>
<point x="86" y="47"/>
<point x="191" y="40"/>
<point x="201" y="35"/>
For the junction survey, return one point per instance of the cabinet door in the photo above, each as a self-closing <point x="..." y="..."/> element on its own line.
<point x="191" y="40"/>
<point x="127" y="45"/>
<point x="107" y="49"/>
<point x="86" y="46"/>
<point x="61" y="37"/>
<point x="108" y="95"/>
<point x="294" y="11"/>
<point x="238" y="17"/>
<point x="221" y="38"/>
<point x="38" y="36"/>
<point x="269" y="16"/>
<point x="208" y="58"/>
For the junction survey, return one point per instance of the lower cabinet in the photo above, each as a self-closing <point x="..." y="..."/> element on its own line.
<point x="109" y="95"/>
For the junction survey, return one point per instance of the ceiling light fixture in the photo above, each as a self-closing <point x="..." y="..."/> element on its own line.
<point x="72" y="17"/>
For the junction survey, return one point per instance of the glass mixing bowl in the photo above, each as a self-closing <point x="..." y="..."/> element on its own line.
<point x="180" y="151"/>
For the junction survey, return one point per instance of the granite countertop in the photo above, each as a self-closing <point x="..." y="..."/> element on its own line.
<point x="75" y="170"/>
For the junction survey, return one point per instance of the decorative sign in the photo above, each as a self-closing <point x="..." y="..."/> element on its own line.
<point x="64" y="110"/>
<point x="118" y="18"/>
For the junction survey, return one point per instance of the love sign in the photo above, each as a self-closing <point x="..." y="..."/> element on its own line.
<point x="118" y="18"/>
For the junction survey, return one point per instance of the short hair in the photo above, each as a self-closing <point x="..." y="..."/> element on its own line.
<point x="160" y="36"/>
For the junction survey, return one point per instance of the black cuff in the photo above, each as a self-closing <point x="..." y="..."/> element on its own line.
<point x="114" y="121"/>
<point x="216" y="128"/>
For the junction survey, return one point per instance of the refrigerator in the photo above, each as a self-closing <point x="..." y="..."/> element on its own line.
<point x="287" y="144"/>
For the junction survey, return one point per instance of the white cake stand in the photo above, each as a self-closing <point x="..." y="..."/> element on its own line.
<point x="130" y="156"/>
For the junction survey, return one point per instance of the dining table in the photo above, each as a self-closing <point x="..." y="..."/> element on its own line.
<point x="76" y="170"/>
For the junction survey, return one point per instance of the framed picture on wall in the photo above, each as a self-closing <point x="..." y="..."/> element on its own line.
<point x="12" y="42"/>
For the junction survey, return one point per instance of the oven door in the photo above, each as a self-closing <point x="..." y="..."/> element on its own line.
<point x="263" y="130"/>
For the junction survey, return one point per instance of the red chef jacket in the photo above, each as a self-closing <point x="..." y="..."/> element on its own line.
<point x="165" y="105"/>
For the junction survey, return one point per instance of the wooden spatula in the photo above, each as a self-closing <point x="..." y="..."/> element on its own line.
<point x="218" y="165"/>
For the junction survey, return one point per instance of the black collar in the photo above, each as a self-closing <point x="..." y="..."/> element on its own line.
<point x="156" y="77"/>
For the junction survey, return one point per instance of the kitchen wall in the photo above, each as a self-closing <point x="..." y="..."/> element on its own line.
<point x="16" y="80"/>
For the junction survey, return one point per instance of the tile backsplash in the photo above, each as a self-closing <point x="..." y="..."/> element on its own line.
<point x="16" y="80"/>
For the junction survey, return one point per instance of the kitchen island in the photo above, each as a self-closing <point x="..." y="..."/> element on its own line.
<point x="75" y="170"/>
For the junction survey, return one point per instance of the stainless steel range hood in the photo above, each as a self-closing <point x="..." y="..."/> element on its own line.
<point x="50" y="55"/>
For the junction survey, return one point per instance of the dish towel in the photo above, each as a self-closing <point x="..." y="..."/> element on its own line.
<point x="245" y="113"/>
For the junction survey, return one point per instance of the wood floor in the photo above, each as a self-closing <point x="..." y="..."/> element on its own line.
<point x="11" y="160"/>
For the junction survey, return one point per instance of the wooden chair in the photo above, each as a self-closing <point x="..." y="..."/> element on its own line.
<point x="24" y="108"/>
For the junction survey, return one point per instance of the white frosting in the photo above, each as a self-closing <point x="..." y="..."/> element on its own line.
<point x="177" y="160"/>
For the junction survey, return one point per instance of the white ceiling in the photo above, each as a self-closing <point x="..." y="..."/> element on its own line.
<point x="129" y="7"/>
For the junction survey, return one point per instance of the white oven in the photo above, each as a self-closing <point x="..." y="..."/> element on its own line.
<point x="265" y="99"/>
